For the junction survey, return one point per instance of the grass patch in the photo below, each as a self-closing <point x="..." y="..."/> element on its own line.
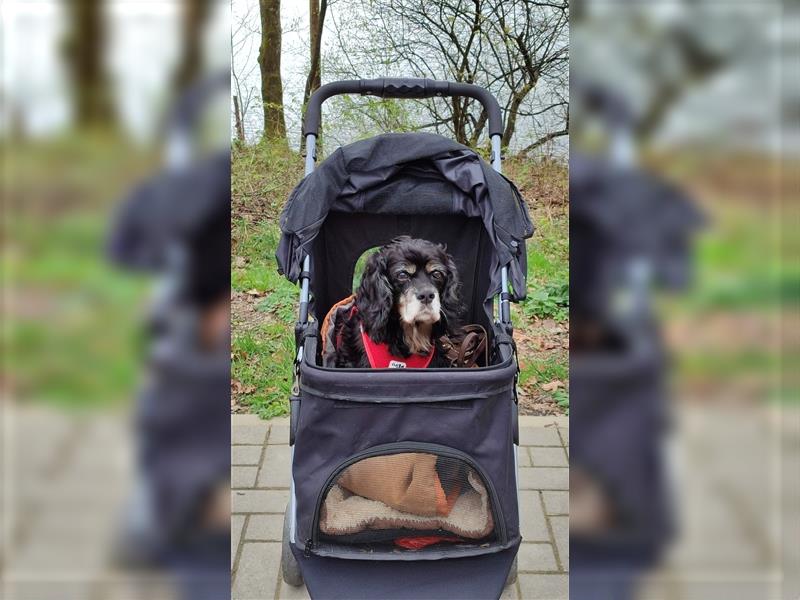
<point x="262" y="362"/>
<point x="548" y="270"/>
<point x="73" y="337"/>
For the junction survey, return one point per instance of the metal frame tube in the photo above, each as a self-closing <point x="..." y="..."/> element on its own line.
<point x="497" y="157"/>
<point x="311" y="152"/>
<point x="503" y="305"/>
<point x="311" y="156"/>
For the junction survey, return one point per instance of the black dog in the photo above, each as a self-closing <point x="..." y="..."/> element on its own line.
<point x="408" y="298"/>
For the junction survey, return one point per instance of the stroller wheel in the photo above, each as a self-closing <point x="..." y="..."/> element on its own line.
<point x="512" y="574"/>
<point x="289" y="567"/>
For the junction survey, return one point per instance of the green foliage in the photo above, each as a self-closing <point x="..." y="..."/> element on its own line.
<point x="548" y="271"/>
<point x="561" y="396"/>
<point x="549" y="301"/>
<point x="550" y="368"/>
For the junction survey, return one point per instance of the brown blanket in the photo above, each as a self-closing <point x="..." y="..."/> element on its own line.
<point x="346" y="513"/>
<point x="408" y="482"/>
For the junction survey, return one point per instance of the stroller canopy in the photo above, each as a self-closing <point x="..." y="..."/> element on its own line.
<point x="417" y="184"/>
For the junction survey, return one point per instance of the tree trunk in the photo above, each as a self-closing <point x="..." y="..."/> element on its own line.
<point x="194" y="16"/>
<point x="317" y="10"/>
<point x="269" y="61"/>
<point x="83" y="49"/>
<point x="238" y="116"/>
<point x="513" y="112"/>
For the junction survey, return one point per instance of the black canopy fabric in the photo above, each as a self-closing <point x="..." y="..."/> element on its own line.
<point x="404" y="175"/>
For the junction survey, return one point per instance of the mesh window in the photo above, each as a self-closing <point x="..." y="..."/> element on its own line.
<point x="411" y="500"/>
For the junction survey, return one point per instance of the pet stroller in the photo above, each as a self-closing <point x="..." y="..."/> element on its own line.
<point x="404" y="481"/>
<point x="176" y="226"/>
<point x="629" y="232"/>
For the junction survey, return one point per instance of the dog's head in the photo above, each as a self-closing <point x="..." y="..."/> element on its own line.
<point x="411" y="283"/>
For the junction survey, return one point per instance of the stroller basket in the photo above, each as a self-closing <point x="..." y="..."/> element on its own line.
<point x="398" y="465"/>
<point x="392" y="494"/>
<point x="424" y="456"/>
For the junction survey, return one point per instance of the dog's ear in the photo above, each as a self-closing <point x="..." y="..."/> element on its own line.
<point x="451" y="295"/>
<point x="374" y="298"/>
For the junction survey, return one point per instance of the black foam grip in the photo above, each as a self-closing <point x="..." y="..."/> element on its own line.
<point x="401" y="88"/>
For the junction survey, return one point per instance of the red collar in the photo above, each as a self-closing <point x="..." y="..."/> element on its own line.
<point x="380" y="357"/>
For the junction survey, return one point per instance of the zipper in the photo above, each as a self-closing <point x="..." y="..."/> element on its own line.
<point x="397" y="448"/>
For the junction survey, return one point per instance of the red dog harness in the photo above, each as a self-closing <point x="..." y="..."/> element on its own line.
<point x="380" y="357"/>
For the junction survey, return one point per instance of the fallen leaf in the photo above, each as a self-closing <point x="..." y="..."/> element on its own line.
<point x="552" y="386"/>
<point x="239" y="262"/>
<point x="255" y="293"/>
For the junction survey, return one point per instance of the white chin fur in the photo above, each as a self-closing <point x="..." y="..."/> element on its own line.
<point x="413" y="311"/>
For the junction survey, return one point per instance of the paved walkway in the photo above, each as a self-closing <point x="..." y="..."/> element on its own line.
<point x="260" y="482"/>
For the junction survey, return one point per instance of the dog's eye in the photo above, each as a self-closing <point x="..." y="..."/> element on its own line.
<point x="403" y="276"/>
<point x="437" y="275"/>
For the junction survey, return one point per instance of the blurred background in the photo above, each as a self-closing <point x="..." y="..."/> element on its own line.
<point x="684" y="294"/>
<point x="88" y="99"/>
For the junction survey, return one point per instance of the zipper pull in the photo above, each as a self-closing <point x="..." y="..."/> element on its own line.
<point x="307" y="550"/>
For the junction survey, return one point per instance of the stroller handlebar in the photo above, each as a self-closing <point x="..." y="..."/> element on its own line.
<point x="401" y="87"/>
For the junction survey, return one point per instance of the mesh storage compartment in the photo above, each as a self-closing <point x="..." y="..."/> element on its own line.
<point x="410" y="500"/>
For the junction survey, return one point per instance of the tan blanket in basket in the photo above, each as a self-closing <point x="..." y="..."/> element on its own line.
<point x="344" y="513"/>
<point x="408" y="482"/>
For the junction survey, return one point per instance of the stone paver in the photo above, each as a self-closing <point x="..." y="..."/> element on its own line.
<point x="533" y="525"/>
<point x="259" y="501"/>
<point x="544" y="478"/>
<point x="249" y="433"/>
<point x="544" y="587"/>
<point x="548" y="457"/>
<point x="556" y="503"/>
<point x="275" y="469"/>
<point x="539" y="436"/>
<point x="536" y="558"/>
<point x="265" y="528"/>
<point x="243" y="477"/>
<point x="524" y="457"/>
<point x="560" y="526"/>
<point x="246" y="455"/>
<point x="279" y="434"/>
<point x="237" y="525"/>
<point x="258" y="509"/>
<point x="65" y="479"/>
<point x="258" y="571"/>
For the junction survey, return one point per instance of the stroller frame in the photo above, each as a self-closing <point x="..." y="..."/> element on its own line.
<point x="399" y="88"/>
<point x="385" y="88"/>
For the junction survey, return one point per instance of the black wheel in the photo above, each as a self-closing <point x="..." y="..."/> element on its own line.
<point x="289" y="567"/>
<point x="512" y="574"/>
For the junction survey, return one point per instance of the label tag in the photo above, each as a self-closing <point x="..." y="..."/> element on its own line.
<point x="396" y="364"/>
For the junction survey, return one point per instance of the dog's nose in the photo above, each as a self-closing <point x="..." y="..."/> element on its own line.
<point x="426" y="297"/>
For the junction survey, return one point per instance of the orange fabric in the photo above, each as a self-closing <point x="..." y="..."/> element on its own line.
<point x="326" y="322"/>
<point x="418" y="543"/>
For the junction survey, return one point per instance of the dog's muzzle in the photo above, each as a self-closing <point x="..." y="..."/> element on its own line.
<point x="420" y="306"/>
